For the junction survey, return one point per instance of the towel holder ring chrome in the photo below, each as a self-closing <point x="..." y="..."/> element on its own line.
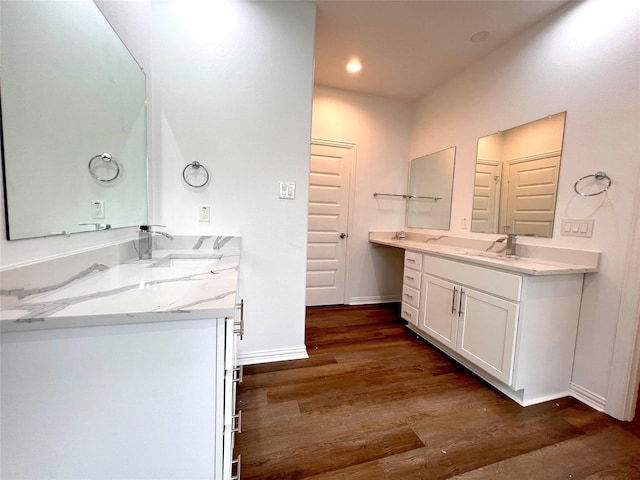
<point x="597" y="176"/>
<point x="196" y="166"/>
<point x="105" y="157"/>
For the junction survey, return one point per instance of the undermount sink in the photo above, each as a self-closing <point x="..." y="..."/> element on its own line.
<point x="495" y="256"/>
<point x="178" y="260"/>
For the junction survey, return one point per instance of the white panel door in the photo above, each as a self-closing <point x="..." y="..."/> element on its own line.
<point x="329" y="181"/>
<point x="532" y="196"/>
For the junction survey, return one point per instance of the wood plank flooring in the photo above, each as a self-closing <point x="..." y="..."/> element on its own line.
<point x="375" y="402"/>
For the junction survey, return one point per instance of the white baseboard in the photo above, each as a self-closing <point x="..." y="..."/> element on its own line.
<point x="586" y="396"/>
<point x="276" y="355"/>
<point x="372" y="300"/>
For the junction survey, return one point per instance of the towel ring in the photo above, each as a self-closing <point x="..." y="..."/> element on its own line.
<point x="196" y="166"/>
<point x="597" y="176"/>
<point x="105" y="157"/>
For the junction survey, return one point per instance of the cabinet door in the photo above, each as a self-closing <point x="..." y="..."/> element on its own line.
<point x="439" y="313"/>
<point x="487" y="333"/>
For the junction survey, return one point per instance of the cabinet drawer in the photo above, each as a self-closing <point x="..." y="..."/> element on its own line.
<point x="412" y="278"/>
<point x="410" y="296"/>
<point x="413" y="260"/>
<point x="409" y="313"/>
<point x="495" y="282"/>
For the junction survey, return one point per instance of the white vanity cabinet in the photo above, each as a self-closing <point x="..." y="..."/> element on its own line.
<point x="411" y="286"/>
<point x="145" y="401"/>
<point x="516" y="331"/>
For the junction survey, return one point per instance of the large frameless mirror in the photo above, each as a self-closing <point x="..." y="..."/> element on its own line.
<point x="430" y="190"/>
<point x="516" y="180"/>
<point x="73" y="121"/>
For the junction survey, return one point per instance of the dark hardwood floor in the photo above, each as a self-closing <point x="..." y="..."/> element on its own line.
<point x="375" y="402"/>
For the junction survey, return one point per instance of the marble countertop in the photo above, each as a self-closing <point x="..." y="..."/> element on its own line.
<point x="176" y="284"/>
<point x="546" y="264"/>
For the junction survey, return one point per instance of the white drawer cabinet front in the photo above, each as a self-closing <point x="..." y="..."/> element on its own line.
<point x="411" y="278"/>
<point x="410" y="296"/>
<point x="487" y="333"/>
<point x="501" y="284"/>
<point x="409" y="313"/>
<point x="411" y="287"/>
<point x="413" y="260"/>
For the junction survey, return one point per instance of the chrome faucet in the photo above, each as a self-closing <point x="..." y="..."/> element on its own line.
<point x="511" y="244"/>
<point x="99" y="226"/>
<point x="145" y="243"/>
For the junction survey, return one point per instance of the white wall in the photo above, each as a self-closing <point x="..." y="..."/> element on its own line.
<point x="232" y="89"/>
<point x="131" y="20"/>
<point x="380" y="129"/>
<point x="585" y="60"/>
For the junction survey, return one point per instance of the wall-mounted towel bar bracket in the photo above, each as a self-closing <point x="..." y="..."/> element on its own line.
<point x="406" y="197"/>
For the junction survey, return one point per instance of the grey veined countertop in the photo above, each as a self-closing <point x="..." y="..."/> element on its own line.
<point x="176" y="284"/>
<point x="531" y="260"/>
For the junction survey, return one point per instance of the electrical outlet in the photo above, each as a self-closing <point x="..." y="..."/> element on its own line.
<point x="577" y="227"/>
<point x="204" y="214"/>
<point x="464" y="223"/>
<point x="97" y="208"/>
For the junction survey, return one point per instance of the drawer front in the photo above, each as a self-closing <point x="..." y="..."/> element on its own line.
<point x="495" y="282"/>
<point x="410" y="296"/>
<point x="409" y="313"/>
<point x="413" y="260"/>
<point x="411" y="278"/>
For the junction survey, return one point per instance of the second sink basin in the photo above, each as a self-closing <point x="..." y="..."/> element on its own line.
<point x="495" y="256"/>
<point x="181" y="260"/>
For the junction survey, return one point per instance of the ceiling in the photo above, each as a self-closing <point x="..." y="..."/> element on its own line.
<point x="407" y="48"/>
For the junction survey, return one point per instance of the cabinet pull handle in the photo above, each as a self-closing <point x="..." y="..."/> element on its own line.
<point x="408" y="296"/>
<point x="411" y="260"/>
<point x="410" y="278"/>
<point x="460" y="304"/>
<point x="453" y="300"/>
<point x="238" y="464"/>
<point x="238" y="325"/>
<point x="408" y="314"/>
<point x="236" y="422"/>
<point x="237" y="374"/>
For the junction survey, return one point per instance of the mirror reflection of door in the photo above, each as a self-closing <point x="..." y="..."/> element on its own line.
<point x="531" y="196"/>
<point x="486" y="196"/>
<point x="523" y="203"/>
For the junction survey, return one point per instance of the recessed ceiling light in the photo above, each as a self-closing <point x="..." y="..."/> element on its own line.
<point x="479" y="36"/>
<point x="354" y="65"/>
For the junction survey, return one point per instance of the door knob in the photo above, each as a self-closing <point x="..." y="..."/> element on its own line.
<point x="343" y="235"/>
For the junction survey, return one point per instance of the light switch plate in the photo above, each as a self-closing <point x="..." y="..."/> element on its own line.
<point x="287" y="190"/>
<point x="577" y="227"/>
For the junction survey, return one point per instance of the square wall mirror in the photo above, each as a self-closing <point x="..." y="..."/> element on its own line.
<point x="516" y="179"/>
<point x="74" y="122"/>
<point x="430" y="190"/>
